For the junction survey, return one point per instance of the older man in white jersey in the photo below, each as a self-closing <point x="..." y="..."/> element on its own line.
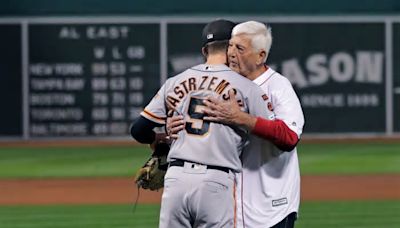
<point x="199" y="183"/>
<point x="269" y="185"/>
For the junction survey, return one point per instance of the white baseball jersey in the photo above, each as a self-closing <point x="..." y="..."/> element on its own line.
<point x="269" y="185"/>
<point x="201" y="141"/>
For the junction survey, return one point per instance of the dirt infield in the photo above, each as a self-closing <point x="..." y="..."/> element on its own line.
<point x="123" y="190"/>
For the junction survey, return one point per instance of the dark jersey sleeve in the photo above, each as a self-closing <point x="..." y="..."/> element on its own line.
<point x="142" y="130"/>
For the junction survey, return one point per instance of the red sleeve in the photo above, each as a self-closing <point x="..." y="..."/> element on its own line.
<point x="277" y="132"/>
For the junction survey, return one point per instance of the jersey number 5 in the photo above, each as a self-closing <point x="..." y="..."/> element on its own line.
<point x="196" y="125"/>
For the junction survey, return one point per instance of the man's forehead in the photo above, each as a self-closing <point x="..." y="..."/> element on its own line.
<point x="242" y="39"/>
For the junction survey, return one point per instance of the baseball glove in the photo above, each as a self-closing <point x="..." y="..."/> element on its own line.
<point x="151" y="175"/>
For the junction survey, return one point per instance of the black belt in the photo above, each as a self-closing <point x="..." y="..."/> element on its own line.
<point x="182" y="162"/>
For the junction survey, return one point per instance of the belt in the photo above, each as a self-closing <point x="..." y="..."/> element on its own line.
<point x="182" y="162"/>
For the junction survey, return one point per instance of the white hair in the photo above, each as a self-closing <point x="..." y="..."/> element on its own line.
<point x="259" y="33"/>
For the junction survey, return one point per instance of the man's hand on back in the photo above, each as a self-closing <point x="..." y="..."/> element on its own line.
<point x="174" y="125"/>
<point x="228" y="112"/>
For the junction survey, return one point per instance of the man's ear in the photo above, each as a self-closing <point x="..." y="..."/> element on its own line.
<point x="261" y="57"/>
<point x="204" y="51"/>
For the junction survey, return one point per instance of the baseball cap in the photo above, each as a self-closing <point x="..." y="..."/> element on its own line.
<point x="217" y="30"/>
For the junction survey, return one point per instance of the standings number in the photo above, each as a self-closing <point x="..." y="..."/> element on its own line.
<point x="196" y="125"/>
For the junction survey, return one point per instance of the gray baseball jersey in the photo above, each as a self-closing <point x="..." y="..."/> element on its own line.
<point x="197" y="192"/>
<point x="201" y="141"/>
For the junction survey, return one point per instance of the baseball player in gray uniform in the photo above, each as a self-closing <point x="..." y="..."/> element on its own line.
<point x="199" y="184"/>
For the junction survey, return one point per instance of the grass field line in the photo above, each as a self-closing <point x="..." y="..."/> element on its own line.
<point x="326" y="214"/>
<point x="127" y="141"/>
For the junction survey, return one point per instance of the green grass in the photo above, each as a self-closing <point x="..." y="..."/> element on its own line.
<point x="124" y="161"/>
<point x="99" y="216"/>
<point x="71" y="162"/>
<point x="372" y="214"/>
<point x="349" y="158"/>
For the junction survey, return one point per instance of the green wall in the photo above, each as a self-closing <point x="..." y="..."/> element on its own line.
<point x="204" y="7"/>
